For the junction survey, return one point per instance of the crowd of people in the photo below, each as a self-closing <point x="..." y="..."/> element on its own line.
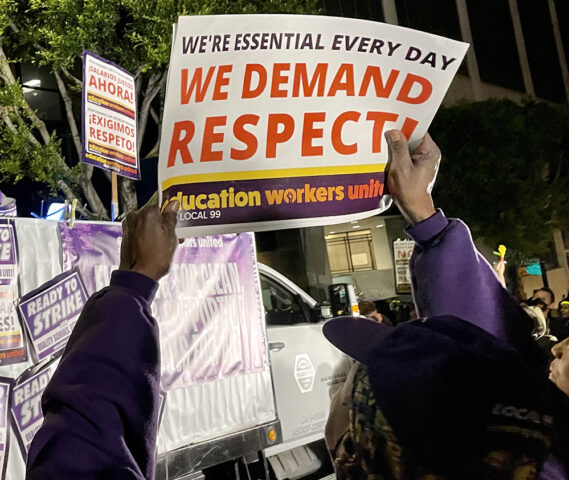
<point x="463" y="392"/>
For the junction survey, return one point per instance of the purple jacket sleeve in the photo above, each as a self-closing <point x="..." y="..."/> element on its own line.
<point x="101" y="405"/>
<point x="450" y="277"/>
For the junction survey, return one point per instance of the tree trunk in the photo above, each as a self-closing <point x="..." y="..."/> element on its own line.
<point x="91" y="195"/>
<point x="87" y="187"/>
<point x="127" y="194"/>
<point x="69" y="113"/>
<point x="62" y="184"/>
<point x="93" y="199"/>
<point x="155" y="84"/>
<point x="156" y="148"/>
<point x="69" y="196"/>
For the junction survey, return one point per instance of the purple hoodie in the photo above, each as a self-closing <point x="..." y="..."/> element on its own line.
<point x="101" y="405"/>
<point x="450" y="277"/>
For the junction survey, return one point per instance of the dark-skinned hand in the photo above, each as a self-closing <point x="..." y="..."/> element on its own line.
<point x="411" y="176"/>
<point x="149" y="239"/>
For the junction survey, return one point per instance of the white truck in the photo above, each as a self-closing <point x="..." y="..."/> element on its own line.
<point x="239" y="394"/>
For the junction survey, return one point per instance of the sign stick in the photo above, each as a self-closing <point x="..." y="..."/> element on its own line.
<point x="115" y="197"/>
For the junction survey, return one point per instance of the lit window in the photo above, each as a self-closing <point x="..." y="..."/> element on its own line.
<point x="350" y="251"/>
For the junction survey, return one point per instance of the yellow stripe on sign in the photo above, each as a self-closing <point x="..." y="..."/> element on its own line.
<point x="114" y="149"/>
<point x="264" y="174"/>
<point x="127" y="106"/>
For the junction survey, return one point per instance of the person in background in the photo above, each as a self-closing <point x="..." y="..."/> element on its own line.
<point x="463" y="392"/>
<point x="337" y="431"/>
<point x="542" y="297"/>
<point x="500" y="269"/>
<point x="400" y="311"/>
<point x="101" y="405"/>
<point x="538" y="307"/>
<point x="559" y="326"/>
<point x="559" y="368"/>
<point x="369" y="310"/>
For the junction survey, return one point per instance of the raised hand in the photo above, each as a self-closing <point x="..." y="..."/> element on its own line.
<point x="411" y="176"/>
<point x="149" y="239"/>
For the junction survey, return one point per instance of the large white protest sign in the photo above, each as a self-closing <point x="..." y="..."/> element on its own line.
<point x="277" y="121"/>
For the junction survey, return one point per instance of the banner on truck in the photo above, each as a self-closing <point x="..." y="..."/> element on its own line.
<point x="51" y="311"/>
<point x="212" y="291"/>
<point x="209" y="306"/>
<point x="277" y="121"/>
<point x="12" y="346"/>
<point x="109" y="117"/>
<point x="214" y="286"/>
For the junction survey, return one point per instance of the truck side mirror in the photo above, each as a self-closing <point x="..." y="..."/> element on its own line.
<point x="343" y="299"/>
<point x="326" y="310"/>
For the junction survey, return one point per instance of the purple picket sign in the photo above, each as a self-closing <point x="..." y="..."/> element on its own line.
<point x="5" y="391"/>
<point x="8" y="261"/>
<point x="12" y="346"/>
<point x="109" y="113"/>
<point x="26" y="403"/>
<point x="51" y="311"/>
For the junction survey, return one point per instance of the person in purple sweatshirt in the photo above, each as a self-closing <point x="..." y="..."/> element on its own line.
<point x="101" y="405"/>
<point x="463" y="392"/>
